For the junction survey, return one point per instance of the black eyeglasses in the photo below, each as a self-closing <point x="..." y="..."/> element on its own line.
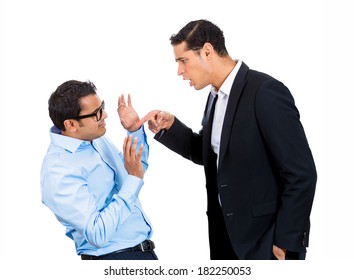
<point x="98" y="113"/>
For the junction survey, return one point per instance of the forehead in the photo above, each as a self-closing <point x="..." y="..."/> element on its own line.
<point x="90" y="103"/>
<point x="181" y="51"/>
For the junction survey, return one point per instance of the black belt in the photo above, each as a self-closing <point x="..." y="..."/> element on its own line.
<point x="146" y="246"/>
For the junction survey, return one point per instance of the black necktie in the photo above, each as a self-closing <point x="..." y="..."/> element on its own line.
<point x="210" y="109"/>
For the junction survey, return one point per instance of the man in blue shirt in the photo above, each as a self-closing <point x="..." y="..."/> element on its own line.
<point x="92" y="187"/>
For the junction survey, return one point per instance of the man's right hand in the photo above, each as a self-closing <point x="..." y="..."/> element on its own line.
<point x="158" y="120"/>
<point x="132" y="159"/>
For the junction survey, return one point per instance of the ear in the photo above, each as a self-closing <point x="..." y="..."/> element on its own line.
<point x="70" y="125"/>
<point x="208" y="49"/>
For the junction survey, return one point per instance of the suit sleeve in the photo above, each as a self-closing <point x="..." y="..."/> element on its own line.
<point x="285" y="140"/>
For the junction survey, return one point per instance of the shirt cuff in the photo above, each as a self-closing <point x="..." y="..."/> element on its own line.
<point x="131" y="188"/>
<point x="138" y="132"/>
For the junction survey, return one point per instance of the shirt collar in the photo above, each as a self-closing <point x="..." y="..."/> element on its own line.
<point x="227" y="84"/>
<point x="68" y="143"/>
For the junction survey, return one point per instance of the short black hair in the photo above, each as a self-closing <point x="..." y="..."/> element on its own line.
<point x="64" y="102"/>
<point x="197" y="33"/>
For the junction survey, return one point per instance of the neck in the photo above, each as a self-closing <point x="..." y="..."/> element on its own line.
<point x="226" y="65"/>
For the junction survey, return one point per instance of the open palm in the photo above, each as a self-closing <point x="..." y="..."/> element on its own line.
<point x="127" y="114"/>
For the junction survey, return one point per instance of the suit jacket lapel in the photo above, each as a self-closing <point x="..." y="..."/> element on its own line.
<point x="236" y="91"/>
<point x="207" y="125"/>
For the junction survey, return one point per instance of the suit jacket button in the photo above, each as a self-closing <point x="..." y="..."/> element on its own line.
<point x="304" y="238"/>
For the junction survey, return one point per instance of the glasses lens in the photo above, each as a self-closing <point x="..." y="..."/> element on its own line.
<point x="99" y="114"/>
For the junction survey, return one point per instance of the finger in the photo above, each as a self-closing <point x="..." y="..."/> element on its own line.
<point x="125" y="144"/>
<point x="133" y="148"/>
<point x="129" y="100"/>
<point x="162" y="116"/>
<point x="140" y="152"/>
<point x="128" y="146"/>
<point x="153" y="125"/>
<point x="123" y="100"/>
<point x="120" y="100"/>
<point x="150" y="116"/>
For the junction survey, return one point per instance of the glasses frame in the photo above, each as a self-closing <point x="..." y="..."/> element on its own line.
<point x="98" y="113"/>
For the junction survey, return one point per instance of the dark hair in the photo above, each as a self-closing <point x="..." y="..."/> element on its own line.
<point x="197" y="33"/>
<point x="64" y="102"/>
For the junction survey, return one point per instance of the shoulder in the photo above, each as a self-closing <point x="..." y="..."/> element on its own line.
<point x="254" y="76"/>
<point x="262" y="82"/>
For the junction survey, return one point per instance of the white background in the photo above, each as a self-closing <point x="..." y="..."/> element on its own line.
<point x="123" y="47"/>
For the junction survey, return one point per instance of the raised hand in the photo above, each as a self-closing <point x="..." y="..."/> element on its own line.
<point x="127" y="114"/>
<point x="132" y="158"/>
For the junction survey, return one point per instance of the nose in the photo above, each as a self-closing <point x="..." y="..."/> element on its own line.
<point x="180" y="70"/>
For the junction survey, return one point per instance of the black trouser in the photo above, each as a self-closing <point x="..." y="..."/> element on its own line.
<point x="219" y="241"/>
<point x="295" y="255"/>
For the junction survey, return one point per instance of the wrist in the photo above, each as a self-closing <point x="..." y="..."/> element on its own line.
<point x="133" y="128"/>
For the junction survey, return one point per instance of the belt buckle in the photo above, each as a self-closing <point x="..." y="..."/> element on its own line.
<point x="150" y="246"/>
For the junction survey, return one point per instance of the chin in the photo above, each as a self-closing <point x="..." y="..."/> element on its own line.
<point x="102" y="131"/>
<point x="199" y="87"/>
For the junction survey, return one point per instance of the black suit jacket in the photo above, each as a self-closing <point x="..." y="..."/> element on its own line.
<point x="266" y="176"/>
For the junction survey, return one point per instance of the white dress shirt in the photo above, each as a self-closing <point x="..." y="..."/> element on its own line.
<point x="220" y="108"/>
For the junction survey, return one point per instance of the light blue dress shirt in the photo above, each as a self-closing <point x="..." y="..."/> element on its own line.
<point x="90" y="192"/>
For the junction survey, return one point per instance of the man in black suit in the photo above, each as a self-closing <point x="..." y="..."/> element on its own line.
<point x="260" y="173"/>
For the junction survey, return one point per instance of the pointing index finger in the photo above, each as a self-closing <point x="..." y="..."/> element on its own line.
<point x="149" y="116"/>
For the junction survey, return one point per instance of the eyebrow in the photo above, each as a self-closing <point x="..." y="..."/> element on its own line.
<point x="180" y="58"/>
<point x="96" y="110"/>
